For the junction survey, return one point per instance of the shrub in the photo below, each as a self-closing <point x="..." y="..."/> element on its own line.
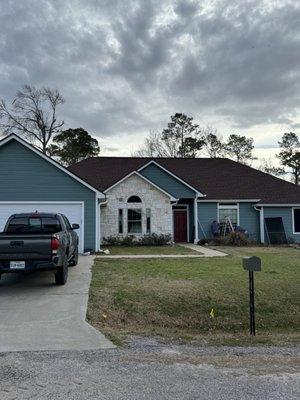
<point x="232" y="239"/>
<point x="119" y="241"/>
<point x="203" y="242"/>
<point x="145" y="240"/>
<point x="156" y="240"/>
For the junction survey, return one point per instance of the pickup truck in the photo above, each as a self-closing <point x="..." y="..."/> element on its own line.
<point x="39" y="241"/>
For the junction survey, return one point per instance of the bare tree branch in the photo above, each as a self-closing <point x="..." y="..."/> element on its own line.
<point x="33" y="114"/>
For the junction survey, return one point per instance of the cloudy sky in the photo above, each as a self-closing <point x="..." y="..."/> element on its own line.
<point x="124" y="66"/>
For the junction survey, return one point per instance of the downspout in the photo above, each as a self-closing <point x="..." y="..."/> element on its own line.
<point x="196" y="239"/>
<point x="261" y="223"/>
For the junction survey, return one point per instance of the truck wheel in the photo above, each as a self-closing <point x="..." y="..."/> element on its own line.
<point x="61" y="275"/>
<point x="74" y="259"/>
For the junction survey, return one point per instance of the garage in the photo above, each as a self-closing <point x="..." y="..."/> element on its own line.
<point x="74" y="211"/>
<point x="31" y="181"/>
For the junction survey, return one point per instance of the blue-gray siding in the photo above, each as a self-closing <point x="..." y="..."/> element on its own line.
<point x="167" y="182"/>
<point x="286" y="214"/>
<point x="208" y="212"/>
<point x="249" y="220"/>
<point x="25" y="176"/>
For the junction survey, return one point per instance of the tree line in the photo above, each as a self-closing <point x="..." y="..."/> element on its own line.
<point x="183" y="138"/>
<point x="33" y="113"/>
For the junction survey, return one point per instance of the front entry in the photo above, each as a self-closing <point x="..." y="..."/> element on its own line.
<point x="180" y="226"/>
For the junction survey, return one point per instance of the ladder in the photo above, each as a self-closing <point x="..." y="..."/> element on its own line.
<point x="227" y="226"/>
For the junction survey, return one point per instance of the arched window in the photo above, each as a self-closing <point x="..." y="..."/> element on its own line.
<point x="134" y="199"/>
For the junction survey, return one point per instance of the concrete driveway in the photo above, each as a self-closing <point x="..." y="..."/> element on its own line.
<point x="35" y="314"/>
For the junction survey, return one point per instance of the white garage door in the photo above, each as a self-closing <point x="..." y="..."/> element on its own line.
<point x="72" y="210"/>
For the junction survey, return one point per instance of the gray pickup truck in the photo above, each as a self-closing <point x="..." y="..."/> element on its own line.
<point x="39" y="241"/>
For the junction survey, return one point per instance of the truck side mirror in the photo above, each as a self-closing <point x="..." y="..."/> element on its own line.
<point x="75" y="226"/>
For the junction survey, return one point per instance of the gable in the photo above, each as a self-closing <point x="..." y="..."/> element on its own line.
<point x="135" y="185"/>
<point x="24" y="174"/>
<point x="167" y="182"/>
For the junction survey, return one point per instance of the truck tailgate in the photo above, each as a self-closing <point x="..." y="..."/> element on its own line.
<point x="25" y="247"/>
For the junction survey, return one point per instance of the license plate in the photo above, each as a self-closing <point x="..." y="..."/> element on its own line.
<point x="17" y="264"/>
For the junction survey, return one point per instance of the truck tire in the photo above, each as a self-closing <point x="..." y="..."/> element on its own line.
<point x="61" y="275"/>
<point x="74" y="259"/>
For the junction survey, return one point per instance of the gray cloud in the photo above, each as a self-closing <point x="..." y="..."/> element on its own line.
<point x="124" y="66"/>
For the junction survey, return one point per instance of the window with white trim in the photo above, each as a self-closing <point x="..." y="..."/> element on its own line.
<point x="120" y="221"/>
<point x="296" y="219"/>
<point x="148" y="220"/>
<point x="134" y="220"/>
<point x="228" y="211"/>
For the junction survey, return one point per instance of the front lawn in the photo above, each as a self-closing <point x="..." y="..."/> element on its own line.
<point x="173" y="298"/>
<point x="149" y="250"/>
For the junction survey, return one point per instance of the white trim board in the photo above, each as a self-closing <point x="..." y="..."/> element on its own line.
<point x="230" y="201"/>
<point x="172" y="198"/>
<point x="199" y="194"/>
<point x="279" y="205"/>
<point x="50" y="160"/>
<point x="293" y="220"/>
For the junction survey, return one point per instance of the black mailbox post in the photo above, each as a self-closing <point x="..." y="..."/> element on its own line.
<point x="252" y="264"/>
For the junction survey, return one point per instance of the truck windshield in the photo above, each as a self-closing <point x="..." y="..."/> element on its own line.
<point x="33" y="225"/>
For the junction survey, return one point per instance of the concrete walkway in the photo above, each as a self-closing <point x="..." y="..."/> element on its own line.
<point x="206" y="251"/>
<point x="202" y="252"/>
<point x="35" y="314"/>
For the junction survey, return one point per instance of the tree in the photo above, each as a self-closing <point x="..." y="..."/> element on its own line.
<point x="240" y="148"/>
<point x="290" y="154"/>
<point x="212" y="142"/>
<point x="73" y="145"/>
<point x="182" y="136"/>
<point x="33" y="114"/>
<point x="268" y="167"/>
<point x="152" y="147"/>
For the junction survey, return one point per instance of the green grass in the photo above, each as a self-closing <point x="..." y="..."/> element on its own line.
<point x="172" y="298"/>
<point x="146" y="250"/>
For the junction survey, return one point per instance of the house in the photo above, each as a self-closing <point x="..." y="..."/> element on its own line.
<point x="110" y="196"/>
<point x="164" y="195"/>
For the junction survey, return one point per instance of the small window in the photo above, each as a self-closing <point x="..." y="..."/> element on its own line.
<point x="134" y="199"/>
<point x="120" y="221"/>
<point x="227" y="210"/>
<point x="148" y="220"/>
<point x="134" y="221"/>
<point x="296" y="212"/>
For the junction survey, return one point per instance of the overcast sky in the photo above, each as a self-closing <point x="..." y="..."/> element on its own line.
<point x="124" y="66"/>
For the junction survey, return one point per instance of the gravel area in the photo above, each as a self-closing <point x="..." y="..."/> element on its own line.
<point x="146" y="369"/>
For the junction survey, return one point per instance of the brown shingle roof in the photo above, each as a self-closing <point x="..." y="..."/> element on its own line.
<point x="217" y="178"/>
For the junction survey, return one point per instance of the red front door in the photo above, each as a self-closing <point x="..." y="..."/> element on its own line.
<point x="180" y="226"/>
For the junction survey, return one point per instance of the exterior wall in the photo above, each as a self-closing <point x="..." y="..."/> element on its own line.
<point x="286" y="214"/>
<point x="249" y="219"/>
<point x="158" y="202"/>
<point x="25" y="176"/>
<point x="207" y="213"/>
<point x="167" y="182"/>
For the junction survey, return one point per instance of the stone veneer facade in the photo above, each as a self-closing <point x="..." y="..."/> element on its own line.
<point x="157" y="201"/>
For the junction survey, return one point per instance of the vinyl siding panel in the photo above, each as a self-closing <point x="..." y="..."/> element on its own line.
<point x="286" y="214"/>
<point x="167" y="182"/>
<point x="25" y="176"/>
<point x="208" y="212"/>
<point x="249" y="220"/>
